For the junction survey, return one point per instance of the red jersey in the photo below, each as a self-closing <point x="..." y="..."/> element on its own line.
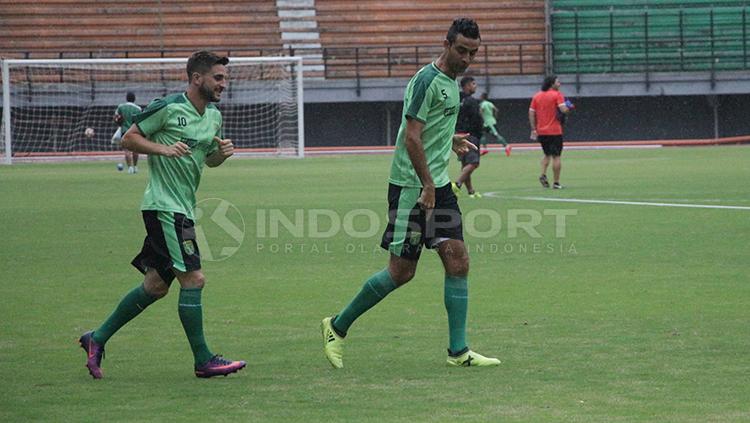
<point x="545" y="105"/>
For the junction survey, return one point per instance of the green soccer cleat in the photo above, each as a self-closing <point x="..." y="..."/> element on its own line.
<point x="456" y="189"/>
<point x="472" y="359"/>
<point x="475" y="195"/>
<point x="332" y="343"/>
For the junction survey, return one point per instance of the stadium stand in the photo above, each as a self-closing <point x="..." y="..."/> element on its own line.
<point x="365" y="38"/>
<point x="594" y="36"/>
<point x="138" y="27"/>
<point x="393" y="38"/>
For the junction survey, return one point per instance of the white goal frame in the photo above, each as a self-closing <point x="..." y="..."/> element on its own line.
<point x="6" y="65"/>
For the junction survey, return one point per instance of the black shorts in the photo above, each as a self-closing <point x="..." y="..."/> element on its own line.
<point x="169" y="244"/>
<point x="471" y="156"/>
<point x="552" y="145"/>
<point x="407" y="229"/>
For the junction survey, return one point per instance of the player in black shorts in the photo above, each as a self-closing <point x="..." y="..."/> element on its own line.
<point x="423" y="210"/>
<point x="470" y="122"/>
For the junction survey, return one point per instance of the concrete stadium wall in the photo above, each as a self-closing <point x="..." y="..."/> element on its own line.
<point x="595" y="119"/>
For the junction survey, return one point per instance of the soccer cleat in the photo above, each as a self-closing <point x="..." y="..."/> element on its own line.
<point x="456" y="189"/>
<point x="543" y="180"/>
<point x="485" y="151"/>
<point x="218" y="366"/>
<point x="475" y="195"/>
<point x="557" y="185"/>
<point x="94" y="354"/>
<point x="507" y="150"/>
<point x="472" y="359"/>
<point x="332" y="343"/>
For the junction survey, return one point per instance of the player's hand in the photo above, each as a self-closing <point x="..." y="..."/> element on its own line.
<point x="226" y="148"/>
<point x="569" y="104"/>
<point x="118" y="118"/>
<point x="533" y="135"/>
<point x="426" y="200"/>
<point x="177" y="149"/>
<point x="462" y="145"/>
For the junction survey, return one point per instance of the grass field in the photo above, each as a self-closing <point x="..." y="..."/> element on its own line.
<point x="636" y="314"/>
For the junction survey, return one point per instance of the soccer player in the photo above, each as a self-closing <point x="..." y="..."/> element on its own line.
<point x="179" y="133"/>
<point x="423" y="208"/>
<point x="546" y="127"/>
<point x="124" y="116"/>
<point x="469" y="121"/>
<point x="489" y="116"/>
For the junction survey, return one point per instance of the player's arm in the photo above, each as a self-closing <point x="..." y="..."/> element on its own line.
<point x="223" y="152"/>
<point x="532" y="124"/>
<point x="134" y="141"/>
<point x="415" y="149"/>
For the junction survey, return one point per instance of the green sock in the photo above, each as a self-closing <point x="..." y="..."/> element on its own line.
<point x="375" y="289"/>
<point x="131" y="305"/>
<point x="456" y="304"/>
<point x="191" y="316"/>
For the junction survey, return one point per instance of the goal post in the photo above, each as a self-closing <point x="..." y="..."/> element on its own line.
<point x="64" y="108"/>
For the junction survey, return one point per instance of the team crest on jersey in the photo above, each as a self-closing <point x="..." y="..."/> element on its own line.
<point x="190" y="142"/>
<point x="188" y="247"/>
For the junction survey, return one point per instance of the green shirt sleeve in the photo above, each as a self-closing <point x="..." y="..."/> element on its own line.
<point x="153" y="118"/>
<point x="420" y="100"/>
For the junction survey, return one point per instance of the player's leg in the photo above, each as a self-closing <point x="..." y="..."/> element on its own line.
<point x="456" y="263"/>
<point x="447" y="237"/>
<point x="376" y="287"/>
<point x="465" y="173"/>
<point x="128" y="160"/>
<point x="135" y="162"/>
<point x="180" y="242"/>
<point x="456" y="298"/>
<point x="483" y="141"/>
<point x="546" y="148"/>
<point x="556" y="168"/>
<point x="403" y="239"/>
<point x="132" y="304"/>
<point x="190" y="310"/>
<point x="556" y="162"/>
<point x="154" y="264"/>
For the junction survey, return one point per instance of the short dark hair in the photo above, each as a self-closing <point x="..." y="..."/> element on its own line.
<point x="484" y="96"/>
<point x="464" y="26"/>
<point x="548" y="82"/>
<point x="130" y="96"/>
<point x="465" y="80"/>
<point x="202" y="62"/>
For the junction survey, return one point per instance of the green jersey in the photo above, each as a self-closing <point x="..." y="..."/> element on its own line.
<point x="173" y="181"/>
<point x="128" y="111"/>
<point x="431" y="97"/>
<point x="488" y="113"/>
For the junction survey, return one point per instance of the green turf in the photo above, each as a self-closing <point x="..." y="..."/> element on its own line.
<point x="637" y="314"/>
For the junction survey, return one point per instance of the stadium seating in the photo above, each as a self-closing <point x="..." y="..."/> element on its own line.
<point x="393" y="38"/>
<point x="139" y="27"/>
<point x="637" y="35"/>
<point x="364" y="38"/>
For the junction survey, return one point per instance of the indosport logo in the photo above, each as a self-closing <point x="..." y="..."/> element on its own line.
<point x="219" y="229"/>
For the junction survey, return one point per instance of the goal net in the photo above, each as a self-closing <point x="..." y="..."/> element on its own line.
<point x="65" y="108"/>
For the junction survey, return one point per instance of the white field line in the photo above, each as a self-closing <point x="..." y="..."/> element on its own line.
<point x="616" y="202"/>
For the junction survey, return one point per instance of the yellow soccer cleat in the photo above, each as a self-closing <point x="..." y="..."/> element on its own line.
<point x="475" y="195"/>
<point x="456" y="189"/>
<point x="332" y="343"/>
<point x="472" y="359"/>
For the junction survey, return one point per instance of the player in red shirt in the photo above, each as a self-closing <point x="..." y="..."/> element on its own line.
<point x="546" y="113"/>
